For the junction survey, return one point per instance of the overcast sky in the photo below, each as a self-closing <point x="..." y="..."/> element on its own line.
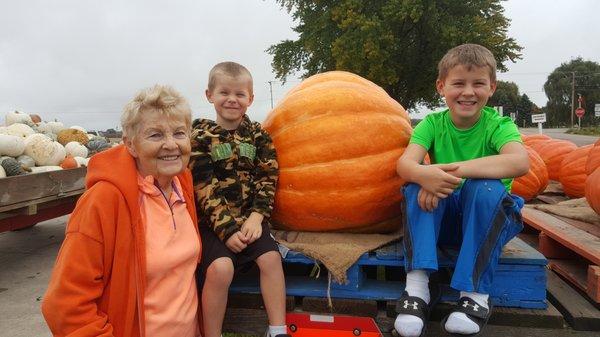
<point x="81" y="61"/>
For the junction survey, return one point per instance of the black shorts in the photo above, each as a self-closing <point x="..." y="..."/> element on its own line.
<point x="213" y="248"/>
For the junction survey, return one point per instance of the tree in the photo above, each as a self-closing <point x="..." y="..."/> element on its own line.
<point x="525" y="108"/>
<point x="395" y="43"/>
<point x="558" y="89"/>
<point x="506" y="95"/>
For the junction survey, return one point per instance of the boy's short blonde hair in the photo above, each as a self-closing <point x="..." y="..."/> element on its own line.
<point x="232" y="69"/>
<point x="161" y="98"/>
<point x="468" y="55"/>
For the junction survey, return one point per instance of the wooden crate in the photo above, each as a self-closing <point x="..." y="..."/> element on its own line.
<point x="572" y="247"/>
<point x="520" y="280"/>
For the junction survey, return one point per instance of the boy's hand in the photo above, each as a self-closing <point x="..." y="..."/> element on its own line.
<point x="427" y="200"/>
<point x="438" y="179"/>
<point x="236" y="243"/>
<point x="252" y="227"/>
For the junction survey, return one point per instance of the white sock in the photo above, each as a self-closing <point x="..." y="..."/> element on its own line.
<point x="459" y="322"/>
<point x="417" y="284"/>
<point x="275" y="330"/>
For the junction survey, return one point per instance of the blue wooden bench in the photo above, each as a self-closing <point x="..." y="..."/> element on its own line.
<point x="520" y="280"/>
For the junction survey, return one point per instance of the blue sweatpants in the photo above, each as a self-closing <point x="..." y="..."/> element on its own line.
<point x="478" y="219"/>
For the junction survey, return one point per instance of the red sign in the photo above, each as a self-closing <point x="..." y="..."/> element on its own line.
<point x="579" y="112"/>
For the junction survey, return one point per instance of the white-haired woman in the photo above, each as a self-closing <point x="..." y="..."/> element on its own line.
<point x="126" y="266"/>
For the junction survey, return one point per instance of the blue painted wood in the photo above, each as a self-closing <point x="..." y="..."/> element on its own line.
<point x="520" y="279"/>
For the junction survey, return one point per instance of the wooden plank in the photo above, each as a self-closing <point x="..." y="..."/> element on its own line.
<point x="19" y="189"/>
<point x="581" y="242"/>
<point x="593" y="283"/>
<point x="364" y="308"/>
<point x="46" y="211"/>
<point x="580" y="313"/>
<point x="584" y="226"/>
<point x="552" y="199"/>
<point x="574" y="271"/>
<point x="552" y="249"/>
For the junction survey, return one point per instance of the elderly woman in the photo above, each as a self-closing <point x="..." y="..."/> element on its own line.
<point x="126" y="266"/>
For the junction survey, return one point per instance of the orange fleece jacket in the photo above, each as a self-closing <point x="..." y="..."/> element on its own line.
<point x="97" y="285"/>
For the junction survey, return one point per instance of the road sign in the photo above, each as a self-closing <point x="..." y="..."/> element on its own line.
<point x="579" y="112"/>
<point x="597" y="110"/>
<point x="539" y="118"/>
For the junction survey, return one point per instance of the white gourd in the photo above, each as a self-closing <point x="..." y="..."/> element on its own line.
<point x="2" y="172"/>
<point x="76" y="150"/>
<point x="19" y="129"/>
<point x="43" y="150"/>
<point x="26" y="160"/>
<point x="56" y="127"/>
<point x="43" y="127"/>
<point x="17" y="117"/>
<point x="11" y="145"/>
<point x="82" y="161"/>
<point x="3" y="130"/>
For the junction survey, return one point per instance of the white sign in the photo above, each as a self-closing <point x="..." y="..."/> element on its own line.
<point x="597" y="110"/>
<point x="539" y="118"/>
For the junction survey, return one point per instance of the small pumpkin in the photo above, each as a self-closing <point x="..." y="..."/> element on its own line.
<point x="19" y="129"/>
<point x="572" y="174"/>
<point x="82" y="161"/>
<point x="592" y="190"/>
<point x="593" y="161"/>
<point x="35" y="118"/>
<point x="12" y="167"/>
<point x="553" y="152"/>
<point x="11" y="145"/>
<point x="76" y="150"/>
<point x="2" y="172"/>
<point x="43" y="150"/>
<point x="97" y="145"/>
<point x="26" y="160"/>
<point x="535" y="181"/>
<point x="17" y="117"/>
<point x="39" y="169"/>
<point x="69" y="162"/>
<point x="338" y="137"/>
<point x="72" y="135"/>
<point x="56" y="127"/>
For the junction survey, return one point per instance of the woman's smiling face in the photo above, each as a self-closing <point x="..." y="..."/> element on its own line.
<point x="161" y="146"/>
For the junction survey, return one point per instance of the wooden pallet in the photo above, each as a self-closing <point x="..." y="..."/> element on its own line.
<point x="520" y="280"/>
<point x="572" y="247"/>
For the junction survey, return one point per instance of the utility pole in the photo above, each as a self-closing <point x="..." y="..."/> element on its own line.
<point x="271" y="90"/>
<point x="572" y="98"/>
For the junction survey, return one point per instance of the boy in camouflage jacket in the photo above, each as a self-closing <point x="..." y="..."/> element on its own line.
<point x="235" y="173"/>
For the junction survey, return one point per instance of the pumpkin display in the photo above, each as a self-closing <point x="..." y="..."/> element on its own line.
<point x="338" y="137"/>
<point x="553" y="152"/>
<point x="593" y="161"/>
<point x="11" y="145"/>
<point x="572" y="174"/>
<point x="534" y="139"/>
<point x="72" y="135"/>
<point x="592" y="190"/>
<point x="535" y="181"/>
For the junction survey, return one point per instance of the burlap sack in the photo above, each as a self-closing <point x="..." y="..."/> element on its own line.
<point x="577" y="209"/>
<point x="337" y="251"/>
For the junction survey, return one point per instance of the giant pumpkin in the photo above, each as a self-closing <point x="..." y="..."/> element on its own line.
<point x="553" y="152"/>
<point x="572" y="174"/>
<point x="338" y="137"/>
<point x="534" y="139"/>
<point x="593" y="161"/>
<point x="535" y="181"/>
<point x="592" y="190"/>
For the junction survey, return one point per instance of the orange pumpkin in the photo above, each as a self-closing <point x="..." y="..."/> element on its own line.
<point x="592" y="190"/>
<point x="535" y="181"/>
<point x="534" y="139"/>
<point x="68" y="163"/>
<point x="572" y="172"/>
<point x="553" y="152"/>
<point x="338" y="137"/>
<point x="593" y="161"/>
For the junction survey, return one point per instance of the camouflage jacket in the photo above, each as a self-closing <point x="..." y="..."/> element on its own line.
<point x="234" y="174"/>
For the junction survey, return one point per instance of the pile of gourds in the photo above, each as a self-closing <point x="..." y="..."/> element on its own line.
<point x="30" y="145"/>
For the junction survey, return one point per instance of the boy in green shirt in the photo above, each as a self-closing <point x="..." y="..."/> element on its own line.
<point x="470" y="142"/>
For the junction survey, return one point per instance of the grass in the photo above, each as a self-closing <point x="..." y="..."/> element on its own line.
<point x="588" y="130"/>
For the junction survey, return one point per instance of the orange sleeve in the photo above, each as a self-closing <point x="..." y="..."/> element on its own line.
<point x="70" y="303"/>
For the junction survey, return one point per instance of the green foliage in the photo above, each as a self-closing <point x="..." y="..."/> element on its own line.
<point x="506" y="95"/>
<point x="396" y="44"/>
<point x="558" y="88"/>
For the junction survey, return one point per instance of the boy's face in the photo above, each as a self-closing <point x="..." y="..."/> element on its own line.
<point x="466" y="92"/>
<point x="231" y="97"/>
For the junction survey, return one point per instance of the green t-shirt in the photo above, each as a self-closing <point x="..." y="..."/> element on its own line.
<point x="445" y="143"/>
